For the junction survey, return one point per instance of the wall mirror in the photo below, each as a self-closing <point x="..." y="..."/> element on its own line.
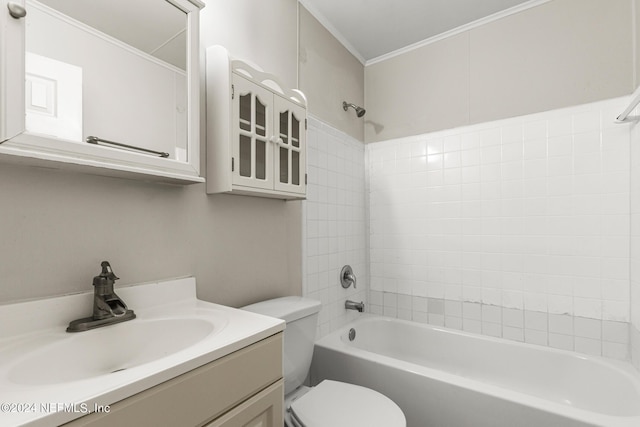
<point x="109" y="86"/>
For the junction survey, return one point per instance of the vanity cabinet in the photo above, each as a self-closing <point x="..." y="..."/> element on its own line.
<point x="242" y="389"/>
<point x="256" y="131"/>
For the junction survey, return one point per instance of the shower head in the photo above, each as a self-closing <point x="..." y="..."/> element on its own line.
<point x="359" y="110"/>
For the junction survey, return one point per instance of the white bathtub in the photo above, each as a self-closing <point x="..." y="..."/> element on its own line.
<point x="446" y="378"/>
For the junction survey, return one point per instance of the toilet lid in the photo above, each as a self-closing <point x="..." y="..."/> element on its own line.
<point x="337" y="404"/>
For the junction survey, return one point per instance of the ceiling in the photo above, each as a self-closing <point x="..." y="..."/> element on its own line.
<point x="373" y="28"/>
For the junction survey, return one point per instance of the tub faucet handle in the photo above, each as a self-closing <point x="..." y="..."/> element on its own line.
<point x="347" y="278"/>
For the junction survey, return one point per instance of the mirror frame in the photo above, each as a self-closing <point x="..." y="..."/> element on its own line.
<point x="19" y="146"/>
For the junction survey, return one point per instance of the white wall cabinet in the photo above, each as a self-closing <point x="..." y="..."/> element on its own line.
<point x="256" y="131"/>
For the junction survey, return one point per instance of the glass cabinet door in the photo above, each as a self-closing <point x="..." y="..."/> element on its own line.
<point x="252" y="154"/>
<point x="289" y="157"/>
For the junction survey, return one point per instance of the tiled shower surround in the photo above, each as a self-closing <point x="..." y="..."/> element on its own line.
<point x="517" y="228"/>
<point x="335" y="218"/>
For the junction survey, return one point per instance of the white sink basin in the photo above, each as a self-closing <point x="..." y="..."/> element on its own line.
<point x="108" y="350"/>
<point x="173" y="333"/>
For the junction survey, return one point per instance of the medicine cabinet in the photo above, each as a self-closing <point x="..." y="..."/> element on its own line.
<point x="108" y="87"/>
<point x="256" y="131"/>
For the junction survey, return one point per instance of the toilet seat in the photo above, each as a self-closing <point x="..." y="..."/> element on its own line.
<point x="338" y="404"/>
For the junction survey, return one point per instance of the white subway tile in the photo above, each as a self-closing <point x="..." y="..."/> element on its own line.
<point x="560" y="146"/>
<point x="560" y="125"/>
<point x="470" y="141"/>
<point x="472" y="325"/>
<point x="615" y="310"/>
<point x="532" y="336"/>
<point x="588" y="346"/>
<point x="419" y="148"/>
<point x="560" y="341"/>
<point x="511" y="333"/>
<point x="586" y="121"/>
<point x="492" y="329"/>
<point x="420" y="317"/>
<point x="560" y="304"/>
<point x="436" y="319"/>
<point x="615" y="350"/>
<point x="586" y="143"/>
<point x="617" y="332"/>
<point x="560" y="166"/>
<point x="490" y="136"/>
<point x="535" y="149"/>
<point x="434" y="146"/>
<point x="491" y="314"/>
<point x="452" y="143"/>
<point x="587" y="164"/>
<point x="453" y="322"/>
<point x="536" y="320"/>
<point x="561" y="324"/>
<point x="513" y="318"/>
<point x="535" y="130"/>
<point x="587" y="328"/>
<point x="512" y="133"/>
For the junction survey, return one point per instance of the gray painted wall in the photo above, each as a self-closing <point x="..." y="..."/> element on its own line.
<point x="57" y="226"/>
<point x="558" y="54"/>
<point x="329" y="74"/>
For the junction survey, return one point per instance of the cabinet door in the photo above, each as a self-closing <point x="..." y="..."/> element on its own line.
<point x="251" y="147"/>
<point x="12" y="44"/>
<point x="289" y="161"/>
<point x="265" y="409"/>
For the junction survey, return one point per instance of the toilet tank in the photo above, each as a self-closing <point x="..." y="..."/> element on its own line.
<point x="301" y="317"/>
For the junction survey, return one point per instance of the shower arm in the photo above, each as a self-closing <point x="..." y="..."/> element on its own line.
<point x="359" y="110"/>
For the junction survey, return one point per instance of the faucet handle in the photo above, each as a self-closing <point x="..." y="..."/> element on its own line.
<point x="106" y="277"/>
<point x="107" y="271"/>
<point x="347" y="278"/>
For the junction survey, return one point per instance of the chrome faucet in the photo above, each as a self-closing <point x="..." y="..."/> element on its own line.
<point x="108" y="308"/>
<point x="352" y="305"/>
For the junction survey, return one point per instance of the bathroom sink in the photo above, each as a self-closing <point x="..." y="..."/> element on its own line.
<point x="108" y="350"/>
<point x="173" y="333"/>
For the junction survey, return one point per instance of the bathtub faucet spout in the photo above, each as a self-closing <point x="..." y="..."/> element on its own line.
<point x="352" y="305"/>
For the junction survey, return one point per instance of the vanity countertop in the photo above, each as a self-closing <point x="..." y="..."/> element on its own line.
<point x="49" y="376"/>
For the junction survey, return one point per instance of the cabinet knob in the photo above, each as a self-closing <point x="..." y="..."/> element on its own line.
<point x="16" y="10"/>
<point x="276" y="140"/>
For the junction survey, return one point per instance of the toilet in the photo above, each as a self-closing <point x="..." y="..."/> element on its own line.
<point x="330" y="403"/>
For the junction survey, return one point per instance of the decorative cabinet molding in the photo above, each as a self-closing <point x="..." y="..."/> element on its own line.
<point x="256" y="131"/>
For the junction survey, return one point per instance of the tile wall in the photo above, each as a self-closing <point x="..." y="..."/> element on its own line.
<point x="518" y="228"/>
<point x="563" y="331"/>
<point x="335" y="218"/>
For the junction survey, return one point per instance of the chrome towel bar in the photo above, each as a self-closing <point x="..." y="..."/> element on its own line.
<point x="97" y="141"/>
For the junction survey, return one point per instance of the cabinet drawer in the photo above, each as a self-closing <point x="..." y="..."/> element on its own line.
<point x="201" y="395"/>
